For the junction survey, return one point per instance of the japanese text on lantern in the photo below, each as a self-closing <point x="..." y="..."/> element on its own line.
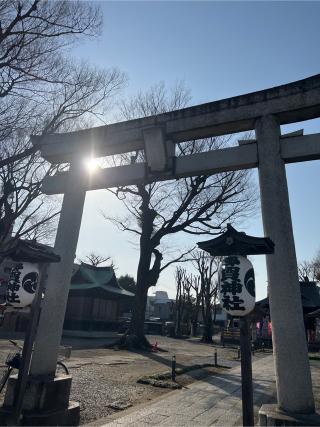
<point x="14" y="284"/>
<point x="231" y="286"/>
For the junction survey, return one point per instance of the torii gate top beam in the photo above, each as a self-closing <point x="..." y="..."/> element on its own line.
<point x="290" y="103"/>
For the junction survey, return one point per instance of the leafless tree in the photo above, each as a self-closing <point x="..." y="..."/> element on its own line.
<point x="196" y="287"/>
<point x="310" y="270"/>
<point x="155" y="100"/>
<point x="156" y="212"/>
<point x="180" y="276"/>
<point x="96" y="259"/>
<point x="33" y="35"/>
<point x="187" y="303"/>
<point x="42" y="90"/>
<point x="207" y="268"/>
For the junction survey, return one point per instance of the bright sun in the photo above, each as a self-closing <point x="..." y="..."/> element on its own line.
<point x="91" y="164"/>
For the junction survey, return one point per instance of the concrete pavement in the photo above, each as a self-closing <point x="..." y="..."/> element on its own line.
<point x="215" y="400"/>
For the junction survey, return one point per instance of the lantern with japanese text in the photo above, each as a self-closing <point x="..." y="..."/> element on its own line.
<point x="237" y="295"/>
<point x="22" y="284"/>
<point x="236" y="285"/>
<point x="236" y="275"/>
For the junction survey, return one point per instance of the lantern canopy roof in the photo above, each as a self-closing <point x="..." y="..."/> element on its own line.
<point x="30" y="251"/>
<point x="233" y="242"/>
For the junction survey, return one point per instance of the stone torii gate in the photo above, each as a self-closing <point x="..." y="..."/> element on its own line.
<point x="157" y="135"/>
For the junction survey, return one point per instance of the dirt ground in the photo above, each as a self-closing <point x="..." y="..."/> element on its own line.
<point x="104" y="376"/>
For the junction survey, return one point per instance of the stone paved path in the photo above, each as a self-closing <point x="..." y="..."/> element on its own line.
<point x="215" y="400"/>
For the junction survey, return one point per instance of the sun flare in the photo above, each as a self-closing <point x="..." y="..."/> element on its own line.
<point x="91" y="165"/>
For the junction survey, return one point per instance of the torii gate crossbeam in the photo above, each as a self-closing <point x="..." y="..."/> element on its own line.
<point x="263" y="111"/>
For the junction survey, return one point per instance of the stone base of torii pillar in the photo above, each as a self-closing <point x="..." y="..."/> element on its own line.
<point x="46" y="402"/>
<point x="271" y="415"/>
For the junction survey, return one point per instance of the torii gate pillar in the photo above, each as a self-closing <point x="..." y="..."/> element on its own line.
<point x="57" y="287"/>
<point x="293" y="377"/>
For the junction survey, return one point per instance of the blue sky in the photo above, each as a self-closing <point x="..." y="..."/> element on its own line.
<point x="220" y="49"/>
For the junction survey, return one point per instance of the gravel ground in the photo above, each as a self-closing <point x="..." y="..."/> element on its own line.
<point x="96" y="387"/>
<point x="102" y="376"/>
<point x="106" y="381"/>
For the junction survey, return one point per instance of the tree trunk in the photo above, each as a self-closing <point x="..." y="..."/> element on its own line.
<point x="146" y="276"/>
<point x="138" y="316"/>
<point x="207" y="316"/>
<point x="194" y="328"/>
<point x="208" y="329"/>
<point x="136" y="330"/>
<point x="178" y="330"/>
<point x="196" y="315"/>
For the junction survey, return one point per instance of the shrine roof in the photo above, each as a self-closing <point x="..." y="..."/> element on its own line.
<point x="310" y="297"/>
<point x="86" y="277"/>
<point x="30" y="251"/>
<point x="233" y="242"/>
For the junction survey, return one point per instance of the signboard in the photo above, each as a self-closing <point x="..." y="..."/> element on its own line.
<point x="236" y="285"/>
<point x="22" y="284"/>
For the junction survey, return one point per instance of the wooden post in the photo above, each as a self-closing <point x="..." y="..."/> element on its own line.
<point x="246" y="373"/>
<point x="173" y="368"/>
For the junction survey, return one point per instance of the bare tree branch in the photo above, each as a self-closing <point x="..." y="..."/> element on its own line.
<point x="310" y="270"/>
<point x="96" y="259"/>
<point x="180" y="258"/>
<point x="195" y="205"/>
<point x="43" y="90"/>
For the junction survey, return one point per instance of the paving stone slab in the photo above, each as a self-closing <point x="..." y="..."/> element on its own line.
<point x="215" y="400"/>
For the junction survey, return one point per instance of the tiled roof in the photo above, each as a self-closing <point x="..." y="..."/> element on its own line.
<point x="86" y="276"/>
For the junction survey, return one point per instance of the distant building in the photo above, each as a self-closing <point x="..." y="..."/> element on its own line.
<point x="95" y="301"/>
<point x="160" y="306"/>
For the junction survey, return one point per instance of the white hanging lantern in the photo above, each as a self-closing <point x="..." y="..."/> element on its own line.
<point x="22" y="284"/>
<point x="236" y="285"/>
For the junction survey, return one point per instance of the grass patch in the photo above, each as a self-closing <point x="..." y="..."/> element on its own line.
<point x="163" y="379"/>
<point x="159" y="383"/>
